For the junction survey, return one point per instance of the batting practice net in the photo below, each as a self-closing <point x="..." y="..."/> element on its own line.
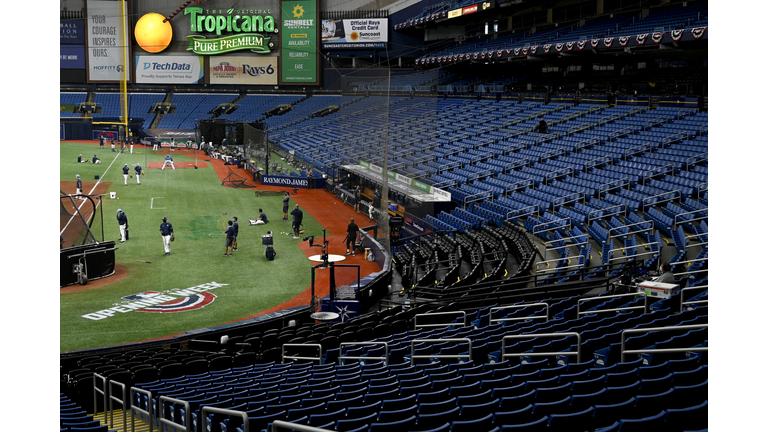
<point x="256" y="146"/>
<point x="78" y="213"/>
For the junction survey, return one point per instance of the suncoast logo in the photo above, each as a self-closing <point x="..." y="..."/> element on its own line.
<point x="167" y="66"/>
<point x="174" y="300"/>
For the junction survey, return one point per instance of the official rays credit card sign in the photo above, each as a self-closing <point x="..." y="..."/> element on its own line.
<point x="299" y="30"/>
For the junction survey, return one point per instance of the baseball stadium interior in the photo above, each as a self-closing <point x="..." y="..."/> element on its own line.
<point x="530" y="169"/>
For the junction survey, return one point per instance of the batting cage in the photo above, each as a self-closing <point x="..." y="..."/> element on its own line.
<point x="256" y="146"/>
<point x="84" y="255"/>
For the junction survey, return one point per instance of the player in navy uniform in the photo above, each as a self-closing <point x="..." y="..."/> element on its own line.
<point x="298" y="215"/>
<point x="122" y="220"/>
<point x="230" y="232"/>
<point x="237" y="230"/>
<point x="168" y="161"/>
<point x="102" y="139"/>
<point x="286" y="198"/>
<point x="166" y="229"/>
<point x="96" y="159"/>
<point x="137" y="168"/>
<point x="125" y="173"/>
<point x="80" y="159"/>
<point x="79" y="186"/>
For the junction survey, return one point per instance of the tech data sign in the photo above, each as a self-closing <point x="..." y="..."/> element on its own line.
<point x="246" y="24"/>
<point x="175" y="300"/>
<point x="168" y="69"/>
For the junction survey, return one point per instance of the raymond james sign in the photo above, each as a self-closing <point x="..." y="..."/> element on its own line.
<point x="284" y="181"/>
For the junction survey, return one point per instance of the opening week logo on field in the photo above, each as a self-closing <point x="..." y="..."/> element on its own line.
<point x="174" y="300"/>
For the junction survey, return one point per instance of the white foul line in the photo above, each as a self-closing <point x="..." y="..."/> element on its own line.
<point x="152" y="204"/>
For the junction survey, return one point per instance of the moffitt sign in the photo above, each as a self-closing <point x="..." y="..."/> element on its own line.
<point x="175" y="300"/>
<point x="246" y="28"/>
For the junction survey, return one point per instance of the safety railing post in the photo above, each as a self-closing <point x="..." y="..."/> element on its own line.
<point x="149" y="412"/>
<point x="319" y="358"/>
<point x="603" y="298"/>
<point x="577" y="353"/>
<point x="624" y="334"/>
<point x="385" y="359"/>
<point x="545" y="316"/>
<point x="457" y="356"/>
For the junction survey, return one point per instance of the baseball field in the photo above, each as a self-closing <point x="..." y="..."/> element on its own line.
<point x="154" y="295"/>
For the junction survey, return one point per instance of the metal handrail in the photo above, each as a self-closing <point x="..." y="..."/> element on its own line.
<point x="510" y="187"/>
<point x="467" y="356"/>
<point x="674" y="221"/>
<point x="659" y="172"/>
<point x="619" y="133"/>
<point x="546" y="317"/>
<point x="318" y="358"/>
<point x="547" y="249"/>
<point x="667" y="350"/>
<point x="509" y="166"/>
<point x="682" y="303"/>
<point x="577" y="266"/>
<point x="548" y="176"/>
<point x="628" y="183"/>
<point x="569" y="225"/>
<point x="216" y="410"/>
<point x="280" y="424"/>
<point x="671" y="138"/>
<point x="578" y="304"/>
<point x="589" y="141"/>
<point x="479" y="174"/>
<point x="385" y="359"/>
<point x="679" y="196"/>
<point x="577" y="353"/>
<point x="477" y="197"/>
<point x="113" y="399"/>
<point x="164" y="421"/>
<point x="582" y="195"/>
<point x="535" y="212"/>
<point x="623" y="208"/>
<point x="634" y="255"/>
<point x="102" y="391"/>
<point x="688" y="164"/>
<point x="463" y="323"/>
<point x="645" y="146"/>
<point x="135" y="409"/>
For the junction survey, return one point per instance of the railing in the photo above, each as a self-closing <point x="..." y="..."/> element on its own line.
<point x="204" y="411"/>
<point x="534" y="212"/>
<point x="514" y="186"/>
<point x="669" y="139"/>
<point x="553" y="153"/>
<point x="657" y="171"/>
<point x="318" y="358"/>
<point x="385" y="359"/>
<point x="556" y="269"/>
<point x="653" y="122"/>
<point x="623" y="210"/>
<point x="688" y="262"/>
<point x="619" y="133"/>
<point x="675" y="222"/>
<point x="631" y="232"/>
<point x="552" y="175"/>
<point x="284" y="425"/>
<point x="624" y="351"/>
<point x="477" y="197"/>
<point x="546" y="316"/>
<point x="600" y="188"/>
<point x="164" y="421"/>
<point x="102" y="391"/>
<point x="634" y="255"/>
<point x="642" y="148"/>
<point x="577" y="353"/>
<point x="676" y="196"/>
<point x="580" y="196"/>
<point x="550" y="242"/>
<point x="480" y="174"/>
<point x="512" y="165"/>
<point x="683" y="303"/>
<point x="594" y="162"/>
<point x="457" y="356"/>
<point x="603" y="298"/>
<point x="121" y="401"/>
<point x="462" y="323"/>
<point x="569" y="225"/>
<point x="589" y="142"/>
<point x="135" y="409"/>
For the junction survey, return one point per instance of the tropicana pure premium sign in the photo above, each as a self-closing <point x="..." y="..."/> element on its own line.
<point x="246" y="27"/>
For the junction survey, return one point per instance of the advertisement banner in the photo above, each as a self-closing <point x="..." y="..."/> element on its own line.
<point x="354" y="33"/>
<point x="298" y="64"/>
<point x="454" y="13"/>
<point x="245" y="70"/>
<point x="72" y="32"/>
<point x="168" y="69"/>
<point x="105" y="43"/>
<point x="284" y="181"/>
<point x="469" y="10"/>
<point x="72" y="56"/>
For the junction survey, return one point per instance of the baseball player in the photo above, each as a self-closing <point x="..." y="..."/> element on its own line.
<point x="155" y="144"/>
<point x="122" y="220"/>
<point x="79" y="186"/>
<point x="137" y="169"/>
<point x="237" y="229"/>
<point x="168" y="161"/>
<point x="80" y="159"/>
<point x="230" y="232"/>
<point x="173" y="142"/>
<point x="102" y="139"/>
<point x="96" y="159"/>
<point x="166" y="229"/>
<point x="286" y="198"/>
<point x="125" y="173"/>
<point x="113" y="145"/>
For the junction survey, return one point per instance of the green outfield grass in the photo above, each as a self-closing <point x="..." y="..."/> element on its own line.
<point x="195" y="203"/>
